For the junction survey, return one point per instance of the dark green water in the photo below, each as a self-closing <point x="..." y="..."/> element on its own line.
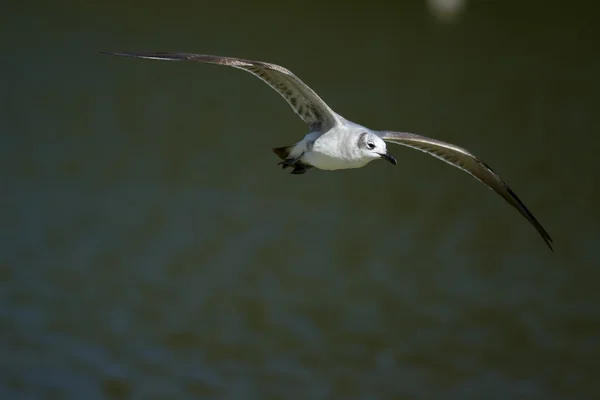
<point x="150" y="247"/>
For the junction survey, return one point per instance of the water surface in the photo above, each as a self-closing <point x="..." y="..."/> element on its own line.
<point x="152" y="249"/>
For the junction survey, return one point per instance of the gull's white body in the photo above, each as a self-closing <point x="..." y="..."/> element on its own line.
<point x="333" y="149"/>
<point x="337" y="143"/>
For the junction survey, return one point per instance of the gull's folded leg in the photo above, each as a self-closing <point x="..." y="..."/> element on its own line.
<point x="300" y="168"/>
<point x="289" y="162"/>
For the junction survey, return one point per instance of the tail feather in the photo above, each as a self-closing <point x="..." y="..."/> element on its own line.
<point x="283" y="152"/>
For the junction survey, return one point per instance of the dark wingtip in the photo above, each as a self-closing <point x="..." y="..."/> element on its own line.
<point x="549" y="243"/>
<point x="117" y="53"/>
<point x="525" y="211"/>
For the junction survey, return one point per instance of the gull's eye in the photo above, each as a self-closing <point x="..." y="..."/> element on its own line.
<point x="371" y="145"/>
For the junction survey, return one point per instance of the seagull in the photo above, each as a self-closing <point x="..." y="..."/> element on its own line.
<point x="336" y="143"/>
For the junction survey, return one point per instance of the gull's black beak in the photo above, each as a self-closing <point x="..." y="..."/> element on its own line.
<point x="388" y="157"/>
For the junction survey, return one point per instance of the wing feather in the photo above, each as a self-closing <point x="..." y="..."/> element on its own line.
<point x="464" y="160"/>
<point x="303" y="100"/>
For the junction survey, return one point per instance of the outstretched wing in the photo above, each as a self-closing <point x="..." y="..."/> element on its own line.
<point x="303" y="100"/>
<point x="464" y="160"/>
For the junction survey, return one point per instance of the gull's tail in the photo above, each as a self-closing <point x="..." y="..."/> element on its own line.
<point x="283" y="152"/>
<point x="286" y="161"/>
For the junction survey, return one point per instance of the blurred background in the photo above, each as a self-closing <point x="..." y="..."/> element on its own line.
<point x="151" y="248"/>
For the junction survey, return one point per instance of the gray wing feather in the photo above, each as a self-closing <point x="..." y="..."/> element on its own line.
<point x="303" y="100"/>
<point x="464" y="160"/>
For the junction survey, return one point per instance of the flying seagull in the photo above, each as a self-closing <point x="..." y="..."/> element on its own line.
<point x="337" y="143"/>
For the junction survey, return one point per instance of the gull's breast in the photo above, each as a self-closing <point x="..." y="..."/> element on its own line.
<point x="330" y="155"/>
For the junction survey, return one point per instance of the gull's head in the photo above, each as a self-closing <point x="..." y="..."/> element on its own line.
<point x="372" y="147"/>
